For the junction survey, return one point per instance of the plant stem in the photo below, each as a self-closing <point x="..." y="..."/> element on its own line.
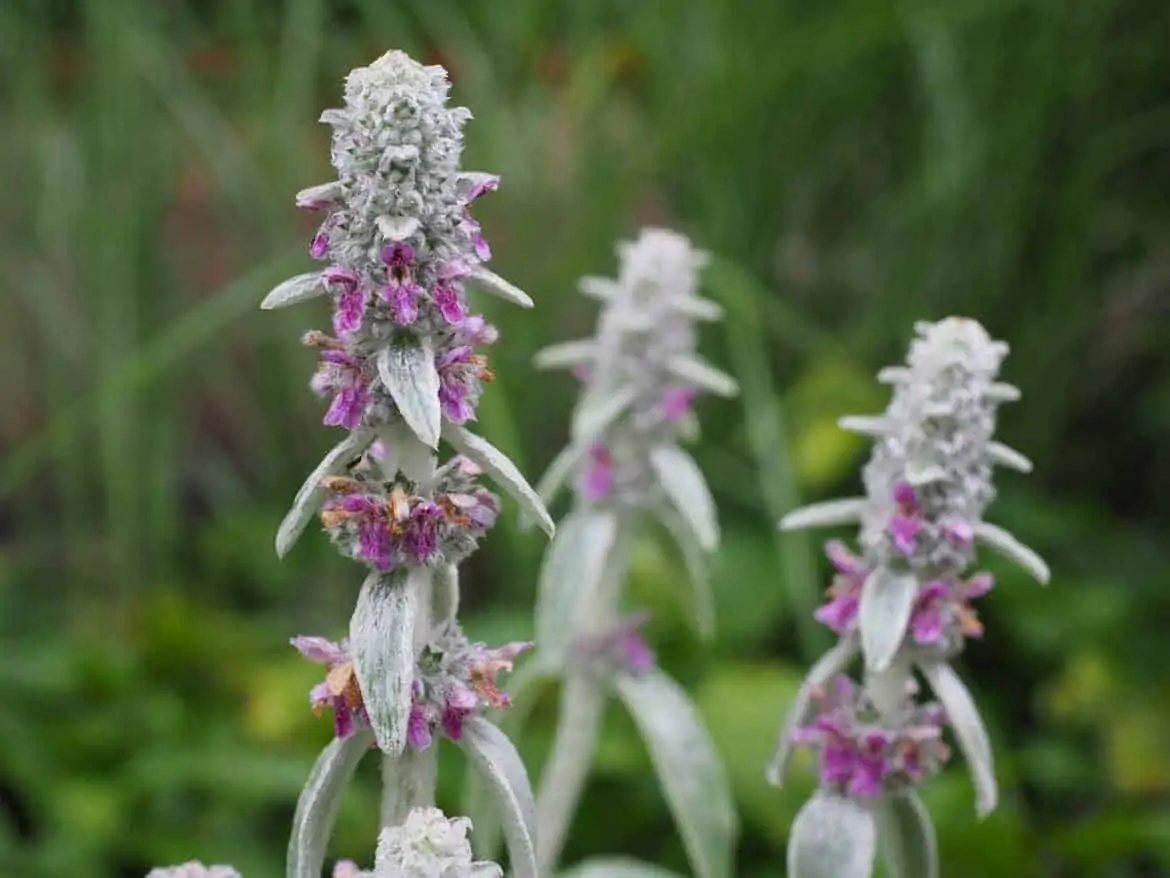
<point x="408" y="782"/>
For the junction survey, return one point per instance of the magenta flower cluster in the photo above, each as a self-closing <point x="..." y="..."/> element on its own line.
<point x="942" y="616"/>
<point x="386" y="526"/>
<point x="864" y="756"/>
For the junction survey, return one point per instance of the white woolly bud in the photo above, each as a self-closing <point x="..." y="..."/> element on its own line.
<point x="429" y="845"/>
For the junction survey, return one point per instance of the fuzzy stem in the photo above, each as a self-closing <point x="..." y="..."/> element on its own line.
<point x="408" y="782"/>
<point x="563" y="779"/>
<point x="582" y="709"/>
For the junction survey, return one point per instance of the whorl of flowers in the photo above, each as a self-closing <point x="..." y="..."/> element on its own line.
<point x="904" y="605"/>
<point x="454" y="678"/>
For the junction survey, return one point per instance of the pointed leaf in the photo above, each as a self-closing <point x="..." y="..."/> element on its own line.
<point x="864" y="425"/>
<point x="1006" y="456"/>
<point x="684" y="485"/>
<point x="973" y="740"/>
<point x="570" y="574"/>
<point x="320" y="800"/>
<point x="445" y="594"/>
<point x="323" y="196"/>
<point x="827" y="513"/>
<point x="308" y="498"/>
<point x="832" y="837"/>
<point x="597" y="411"/>
<point x="688" y="768"/>
<point x="1004" y="543"/>
<point x="887" y="600"/>
<point x="295" y="290"/>
<point x="497" y="465"/>
<point x="698" y="308"/>
<point x="616" y="867"/>
<point x="601" y="288"/>
<point x="703" y="375"/>
<point x="500" y="288"/>
<point x="829" y="665"/>
<point x="906" y="836"/>
<point x="381" y="635"/>
<point x="1002" y="392"/>
<point x="554" y="478"/>
<point x="566" y="354"/>
<point x="497" y="761"/>
<point x="893" y="375"/>
<point x="695" y="561"/>
<point x="410" y="376"/>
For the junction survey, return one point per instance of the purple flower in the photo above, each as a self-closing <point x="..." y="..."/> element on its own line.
<point x="351" y="299"/>
<point x="418" y="726"/>
<point x="476" y="331"/>
<point x="459" y="371"/>
<point x="943" y="610"/>
<point x="959" y="533"/>
<point x="482" y="251"/>
<point x="677" y="402"/>
<point x="488" y="183"/>
<point x="622" y="646"/>
<point x="596" y="480"/>
<point x="840" y="613"/>
<point x="460" y="702"/>
<point x="341" y="375"/>
<point x="862" y="755"/>
<point x="401" y="293"/>
<point x="340" y="690"/>
<point x="419" y="532"/>
<point x="446" y="298"/>
<point x="487" y="664"/>
<point x="905" y="524"/>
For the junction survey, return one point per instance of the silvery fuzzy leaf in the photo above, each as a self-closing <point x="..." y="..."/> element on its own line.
<point x="698" y="308"/>
<point x="295" y="290"/>
<point x="497" y="465"/>
<point x="999" y="540"/>
<point x="497" y="286"/>
<point x="570" y="575"/>
<point x="308" y="498"/>
<point x="829" y="665"/>
<point x="864" y="425"/>
<point x="322" y="194"/>
<point x="972" y="736"/>
<point x="336" y="117"/>
<point x="397" y="228"/>
<point x="381" y="634"/>
<point x="887" y="600"/>
<point x="832" y="837"/>
<point x="616" y="867"/>
<point x="893" y="375"/>
<point x="445" y="594"/>
<point x="566" y="354"/>
<point x="408" y="782"/>
<point x="827" y="513"/>
<point x="525" y="685"/>
<point x="1003" y="392"/>
<point x="684" y="485"/>
<point x="486" y="870"/>
<point x="320" y="800"/>
<point x="554" y="477"/>
<point x="688" y="427"/>
<point x="703" y="375"/>
<point x="410" y="376"/>
<point x="695" y="561"/>
<point x="688" y="768"/>
<point x="404" y="453"/>
<point x="601" y="288"/>
<point x="1006" y="456"/>
<point x="906" y="836"/>
<point x="499" y="764"/>
<point x="919" y="473"/>
<point x="597" y="411"/>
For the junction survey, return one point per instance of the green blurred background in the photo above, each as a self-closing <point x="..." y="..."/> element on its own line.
<point x="854" y="166"/>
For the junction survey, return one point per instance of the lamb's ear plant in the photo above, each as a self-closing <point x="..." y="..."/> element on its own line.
<point x="401" y="372"/>
<point x="904" y="606"/>
<point x="640" y="375"/>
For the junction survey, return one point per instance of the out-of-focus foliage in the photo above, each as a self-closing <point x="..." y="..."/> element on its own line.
<point x="853" y="165"/>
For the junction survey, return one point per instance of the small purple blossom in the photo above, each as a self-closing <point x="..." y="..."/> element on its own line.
<point x="863" y="755"/>
<point x="596" y="480"/>
<point x="350" y="305"/>
<point x="461" y="371"/>
<point x="840" y="613"/>
<point x="401" y="293"/>
<point x="447" y="299"/>
<point x="906" y="522"/>
<point x="340" y="691"/>
<point x="477" y="332"/>
<point x="622" y="647"/>
<point x="341" y="375"/>
<point x="677" y="403"/>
